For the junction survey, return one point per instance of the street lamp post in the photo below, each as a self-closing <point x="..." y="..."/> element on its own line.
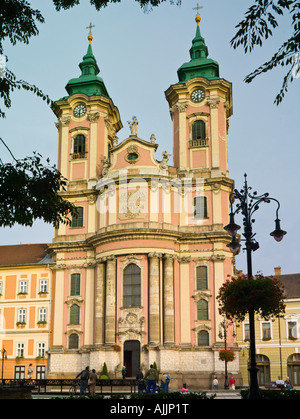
<point x="223" y="326"/>
<point x="247" y="204"/>
<point x="4" y="356"/>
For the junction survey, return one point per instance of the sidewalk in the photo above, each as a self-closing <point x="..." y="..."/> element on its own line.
<point x="225" y="394"/>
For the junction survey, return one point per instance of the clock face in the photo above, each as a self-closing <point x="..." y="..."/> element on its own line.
<point x="79" y="110"/>
<point x="198" y="95"/>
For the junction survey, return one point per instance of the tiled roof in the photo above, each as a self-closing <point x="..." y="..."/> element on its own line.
<point x="291" y="284"/>
<point x="24" y="254"/>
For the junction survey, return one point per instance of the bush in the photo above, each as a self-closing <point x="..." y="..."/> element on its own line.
<point x="173" y="395"/>
<point x="104" y="372"/>
<point x="275" y="394"/>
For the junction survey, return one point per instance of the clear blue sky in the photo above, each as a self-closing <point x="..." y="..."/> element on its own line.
<point x="138" y="54"/>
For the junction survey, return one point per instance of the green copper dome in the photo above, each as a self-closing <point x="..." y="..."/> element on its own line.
<point x="200" y="65"/>
<point x="88" y="83"/>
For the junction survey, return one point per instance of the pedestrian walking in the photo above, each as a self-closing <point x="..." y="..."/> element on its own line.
<point x="30" y="371"/>
<point x="84" y="377"/>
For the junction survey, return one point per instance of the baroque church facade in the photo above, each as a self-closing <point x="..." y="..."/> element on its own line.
<point x="137" y="273"/>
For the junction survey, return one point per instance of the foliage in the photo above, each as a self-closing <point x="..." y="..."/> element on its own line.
<point x="99" y="4"/>
<point x="104" y="372"/>
<point x="227" y="355"/>
<point x="29" y="191"/>
<point x="265" y="295"/>
<point x="173" y="395"/>
<point x="258" y="24"/>
<point x="275" y="394"/>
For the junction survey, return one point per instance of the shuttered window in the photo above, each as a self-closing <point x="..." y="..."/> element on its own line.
<point x="74" y="314"/>
<point x="201" y="274"/>
<point x="77" y="220"/>
<point x="75" y="284"/>
<point x="198" y="130"/>
<point x="202" y="310"/>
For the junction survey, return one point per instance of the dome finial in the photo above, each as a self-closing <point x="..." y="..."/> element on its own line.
<point x="198" y="18"/>
<point x="90" y="37"/>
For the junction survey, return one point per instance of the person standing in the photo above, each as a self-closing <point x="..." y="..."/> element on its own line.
<point x="84" y="377"/>
<point x="167" y="382"/>
<point x="151" y="376"/>
<point x="140" y="379"/>
<point x="215" y="383"/>
<point x="92" y="382"/>
<point x="232" y="383"/>
<point x="30" y="371"/>
<point x="124" y="372"/>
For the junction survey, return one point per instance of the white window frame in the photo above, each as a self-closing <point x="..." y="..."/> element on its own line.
<point x="44" y="285"/>
<point x="246" y="333"/>
<point x="292" y="320"/>
<point x="22" y="315"/>
<point x="269" y="329"/>
<point x="20" y="349"/>
<point x="41" y="349"/>
<point x="42" y="315"/>
<point x="23" y="287"/>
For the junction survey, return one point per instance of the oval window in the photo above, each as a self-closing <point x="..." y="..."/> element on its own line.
<point x="132" y="156"/>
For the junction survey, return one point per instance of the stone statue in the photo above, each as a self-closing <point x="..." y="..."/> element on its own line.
<point x="133" y="125"/>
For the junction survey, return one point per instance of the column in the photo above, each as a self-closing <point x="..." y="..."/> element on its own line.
<point x="99" y="302"/>
<point x="93" y="118"/>
<point x="154" y="309"/>
<point x="110" y="307"/>
<point x="58" y="334"/>
<point x="185" y="301"/>
<point x="214" y="112"/>
<point x="89" y="306"/>
<point x="168" y="299"/>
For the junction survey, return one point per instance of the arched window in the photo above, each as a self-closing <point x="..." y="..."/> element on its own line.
<point x="198" y="130"/>
<point x="200" y="207"/>
<point x="74" y="314"/>
<point x="73" y="341"/>
<point x="201" y="277"/>
<point x="263" y="365"/>
<point x="293" y="363"/>
<point x="75" y="284"/>
<point x="202" y="310"/>
<point x="132" y="286"/>
<point x="79" y="147"/>
<point x="203" y="338"/>
<point x="77" y="220"/>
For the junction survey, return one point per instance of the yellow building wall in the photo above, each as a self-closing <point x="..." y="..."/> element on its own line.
<point x="277" y="350"/>
<point x="32" y="334"/>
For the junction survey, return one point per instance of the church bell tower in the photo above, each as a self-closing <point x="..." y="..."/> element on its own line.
<point x="200" y="105"/>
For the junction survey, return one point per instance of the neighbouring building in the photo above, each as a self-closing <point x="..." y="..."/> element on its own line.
<point x="137" y="272"/>
<point x="25" y="308"/>
<point x="277" y="339"/>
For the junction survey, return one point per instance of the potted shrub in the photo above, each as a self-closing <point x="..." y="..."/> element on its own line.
<point x="226" y="355"/>
<point x="263" y="294"/>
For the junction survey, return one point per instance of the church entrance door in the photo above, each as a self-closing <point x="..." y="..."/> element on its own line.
<point x="132" y="354"/>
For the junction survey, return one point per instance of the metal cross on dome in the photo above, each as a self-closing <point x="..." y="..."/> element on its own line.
<point x="198" y="8"/>
<point x="90" y="28"/>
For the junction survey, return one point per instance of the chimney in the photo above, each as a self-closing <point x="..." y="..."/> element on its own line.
<point x="277" y="271"/>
